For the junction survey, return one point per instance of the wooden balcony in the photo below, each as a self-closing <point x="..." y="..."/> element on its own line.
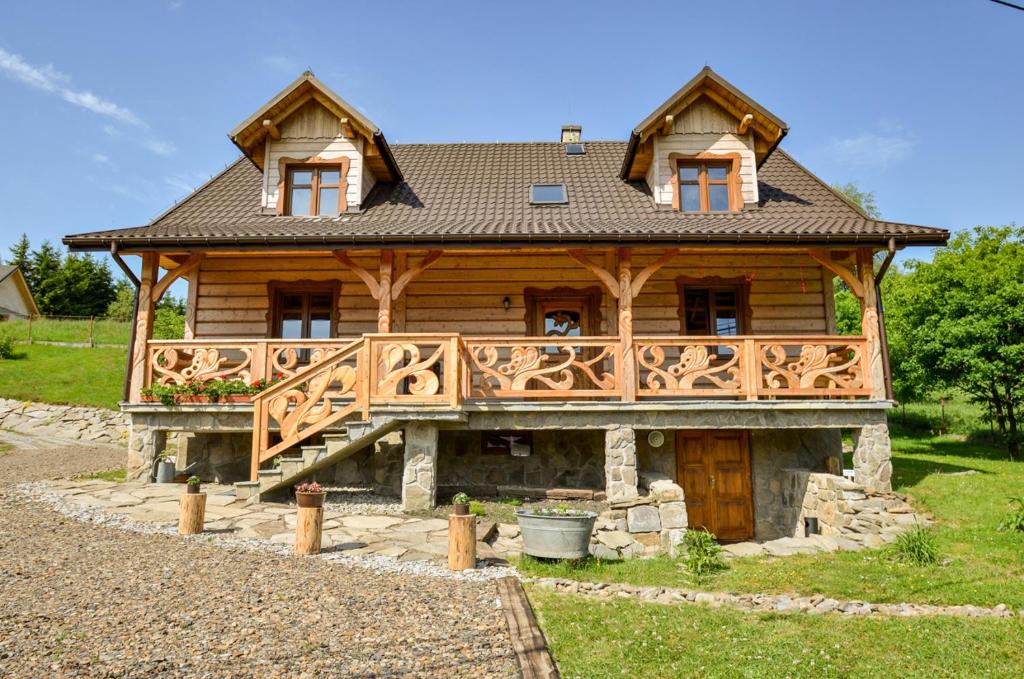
<point x="451" y="369"/>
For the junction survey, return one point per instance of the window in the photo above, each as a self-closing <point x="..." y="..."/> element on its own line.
<point x="575" y="149"/>
<point x="304" y="310"/>
<point x="314" y="190"/>
<point x="704" y="187"/>
<point x="548" y="194"/>
<point x="712" y="307"/>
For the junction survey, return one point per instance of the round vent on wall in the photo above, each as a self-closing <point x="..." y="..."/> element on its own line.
<point x="656" y="439"/>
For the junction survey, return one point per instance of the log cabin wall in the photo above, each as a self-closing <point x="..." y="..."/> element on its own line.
<point x="464" y="291"/>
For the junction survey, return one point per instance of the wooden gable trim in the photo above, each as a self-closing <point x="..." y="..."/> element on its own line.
<point x="735" y="182"/>
<point x="283" y="164"/>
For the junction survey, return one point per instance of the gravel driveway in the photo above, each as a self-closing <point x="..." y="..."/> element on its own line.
<point x="84" y="600"/>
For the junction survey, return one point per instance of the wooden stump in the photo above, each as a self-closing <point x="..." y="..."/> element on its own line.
<point x="461" y="542"/>
<point x="308" y="528"/>
<point x="193" y="512"/>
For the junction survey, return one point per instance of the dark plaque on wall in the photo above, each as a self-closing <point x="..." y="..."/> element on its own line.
<point x="515" y="443"/>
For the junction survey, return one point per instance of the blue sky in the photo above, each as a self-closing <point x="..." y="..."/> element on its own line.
<point x="111" y="111"/>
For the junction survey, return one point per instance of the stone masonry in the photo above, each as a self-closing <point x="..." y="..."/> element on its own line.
<point x="620" y="472"/>
<point x="419" y="479"/>
<point x="644" y="525"/>
<point x="96" y="425"/>
<point x="872" y="457"/>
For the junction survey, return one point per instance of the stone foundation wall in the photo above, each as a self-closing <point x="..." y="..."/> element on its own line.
<point x="774" y="454"/>
<point x="80" y="423"/>
<point x="652" y="523"/>
<point x="559" y="459"/>
<point x="850" y="510"/>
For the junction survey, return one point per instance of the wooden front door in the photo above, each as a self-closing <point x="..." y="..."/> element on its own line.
<point x="713" y="467"/>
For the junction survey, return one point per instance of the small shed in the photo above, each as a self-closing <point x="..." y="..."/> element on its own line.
<point x="16" y="301"/>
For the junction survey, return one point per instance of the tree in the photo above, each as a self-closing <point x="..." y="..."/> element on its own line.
<point x="20" y="253"/>
<point x="865" y="200"/>
<point x="124" y="302"/>
<point x="43" y="265"/>
<point x="847" y="309"/>
<point x="169" y="319"/>
<point x="79" y="286"/>
<point x="962" y="319"/>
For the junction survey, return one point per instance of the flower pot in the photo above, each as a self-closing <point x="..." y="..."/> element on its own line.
<point x="165" y="472"/>
<point x="310" y="499"/>
<point x="193" y="488"/>
<point x="554" y="536"/>
<point x="461" y="508"/>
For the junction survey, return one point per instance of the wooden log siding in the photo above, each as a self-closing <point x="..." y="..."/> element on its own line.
<point x="463" y="291"/>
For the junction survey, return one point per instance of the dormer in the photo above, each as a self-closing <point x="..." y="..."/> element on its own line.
<point x="319" y="155"/>
<point x="700" y="150"/>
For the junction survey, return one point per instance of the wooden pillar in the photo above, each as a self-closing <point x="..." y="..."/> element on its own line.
<point x="625" y="277"/>
<point x="192" y="513"/>
<point x="461" y="542"/>
<point x="143" y="324"/>
<point x="190" y="305"/>
<point x="387" y="261"/>
<point x="869" y="323"/>
<point x="309" y="525"/>
<point x="398" y="303"/>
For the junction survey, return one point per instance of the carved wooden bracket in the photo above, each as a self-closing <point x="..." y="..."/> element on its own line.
<point x="824" y="258"/>
<point x="610" y="282"/>
<point x="410" y="274"/>
<point x="364" y="275"/>
<point x="183" y="269"/>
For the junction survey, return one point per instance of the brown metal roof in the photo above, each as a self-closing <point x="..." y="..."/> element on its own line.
<point x="463" y="194"/>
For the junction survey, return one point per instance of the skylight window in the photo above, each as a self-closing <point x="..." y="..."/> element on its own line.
<point x="548" y="194"/>
<point x="575" y="149"/>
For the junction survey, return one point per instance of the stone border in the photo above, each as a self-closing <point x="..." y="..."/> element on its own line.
<point x="765" y="603"/>
<point x="74" y="423"/>
<point x="39" y="492"/>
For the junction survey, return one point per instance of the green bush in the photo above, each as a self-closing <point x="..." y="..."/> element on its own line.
<point x="6" y="346"/>
<point x="1014" y="520"/>
<point x="703" y="553"/>
<point x="917" y="546"/>
<point x="477" y="508"/>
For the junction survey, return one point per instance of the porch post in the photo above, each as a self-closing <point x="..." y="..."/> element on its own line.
<point x="620" y="475"/>
<point x="143" y="324"/>
<point x="419" y="476"/>
<point x="869" y="322"/>
<point x="387" y="263"/>
<point x="625" y="278"/>
<point x="872" y="450"/>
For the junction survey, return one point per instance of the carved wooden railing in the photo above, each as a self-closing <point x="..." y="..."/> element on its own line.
<point x="753" y="367"/>
<point x="543" y="367"/>
<point x="309" y="401"/>
<point x="188" y="361"/>
<point x="414" y="368"/>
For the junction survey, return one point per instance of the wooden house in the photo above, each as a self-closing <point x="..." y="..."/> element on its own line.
<point x="566" y="318"/>
<point x="16" y="302"/>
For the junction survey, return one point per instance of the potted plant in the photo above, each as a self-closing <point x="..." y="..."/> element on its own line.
<point x="460" y="503"/>
<point x="556" y="532"/>
<point x="310" y="494"/>
<point x="165" y="468"/>
<point x="193" y="484"/>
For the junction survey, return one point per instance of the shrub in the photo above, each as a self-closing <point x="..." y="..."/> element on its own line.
<point x="917" y="547"/>
<point x="6" y="345"/>
<point x="477" y="508"/>
<point x="1014" y="519"/>
<point x="703" y="553"/>
<point x="460" y="499"/>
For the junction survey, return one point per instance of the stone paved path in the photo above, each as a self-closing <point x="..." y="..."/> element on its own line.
<point x="79" y="599"/>
<point x="402" y="538"/>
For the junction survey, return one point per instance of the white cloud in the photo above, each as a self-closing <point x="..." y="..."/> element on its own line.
<point x="103" y="159"/>
<point x="873" y="149"/>
<point x="48" y="79"/>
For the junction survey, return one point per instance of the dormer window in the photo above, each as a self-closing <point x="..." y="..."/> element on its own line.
<point x="706" y="183"/>
<point x="314" y="190"/>
<point x="703" y="187"/>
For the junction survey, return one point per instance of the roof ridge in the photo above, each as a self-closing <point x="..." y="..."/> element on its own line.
<point x="506" y="143"/>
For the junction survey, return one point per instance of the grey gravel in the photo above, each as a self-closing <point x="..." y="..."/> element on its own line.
<point x="84" y="599"/>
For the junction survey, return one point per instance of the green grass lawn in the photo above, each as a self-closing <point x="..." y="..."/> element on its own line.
<point x="55" y="374"/>
<point x="985" y="566"/>
<point x="622" y="638"/>
<point x="69" y="330"/>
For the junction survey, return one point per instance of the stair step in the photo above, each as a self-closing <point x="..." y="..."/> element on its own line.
<point x="246" y="490"/>
<point x="291" y="465"/>
<point x="311" y="454"/>
<point x="268" y="478"/>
